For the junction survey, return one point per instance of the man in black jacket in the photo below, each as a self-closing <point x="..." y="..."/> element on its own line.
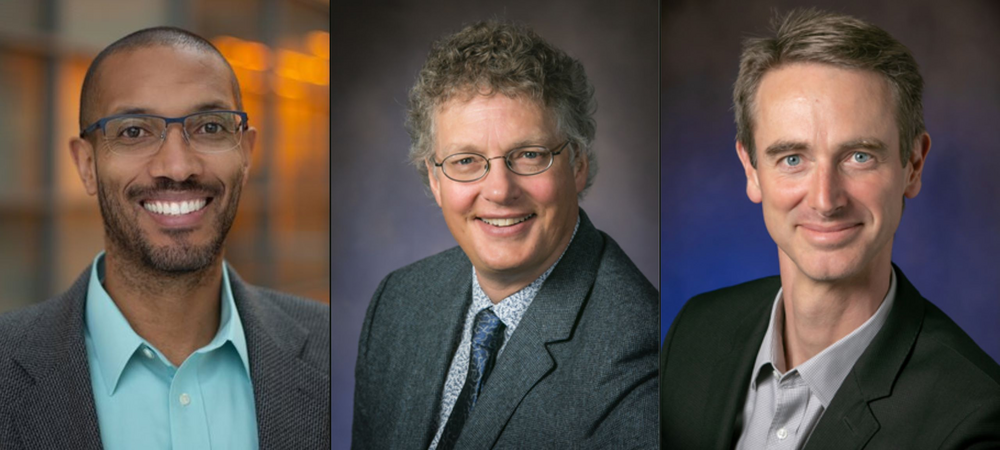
<point x="840" y="351"/>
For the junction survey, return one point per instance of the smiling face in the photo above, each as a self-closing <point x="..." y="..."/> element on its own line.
<point x="512" y="227"/>
<point x="829" y="174"/>
<point x="171" y="210"/>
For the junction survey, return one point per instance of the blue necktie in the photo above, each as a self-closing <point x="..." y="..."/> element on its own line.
<point x="487" y="337"/>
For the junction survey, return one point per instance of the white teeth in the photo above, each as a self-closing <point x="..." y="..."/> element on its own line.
<point x="506" y="222"/>
<point x="175" y="208"/>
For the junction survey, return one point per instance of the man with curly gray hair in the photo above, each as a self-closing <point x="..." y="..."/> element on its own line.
<point x="537" y="331"/>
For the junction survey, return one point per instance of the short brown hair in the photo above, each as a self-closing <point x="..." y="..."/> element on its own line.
<point x="494" y="57"/>
<point x="810" y="35"/>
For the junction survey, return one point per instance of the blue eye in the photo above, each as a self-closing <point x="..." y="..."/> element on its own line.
<point x="861" y="157"/>
<point x="793" y="160"/>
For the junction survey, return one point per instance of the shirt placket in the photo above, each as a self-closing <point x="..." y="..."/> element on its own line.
<point x="188" y="420"/>
<point x="790" y="400"/>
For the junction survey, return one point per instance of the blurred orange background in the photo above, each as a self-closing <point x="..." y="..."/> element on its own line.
<point x="50" y="229"/>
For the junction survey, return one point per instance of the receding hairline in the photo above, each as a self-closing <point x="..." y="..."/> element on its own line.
<point x="162" y="37"/>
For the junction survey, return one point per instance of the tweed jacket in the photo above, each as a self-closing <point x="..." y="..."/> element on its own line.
<point x="46" y="398"/>
<point x="922" y="383"/>
<point x="578" y="372"/>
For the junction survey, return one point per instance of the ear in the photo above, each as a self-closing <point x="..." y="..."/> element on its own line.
<point x="85" y="159"/>
<point x="246" y="147"/>
<point x="753" y="183"/>
<point x="581" y="169"/>
<point x="435" y="184"/>
<point x="915" y="166"/>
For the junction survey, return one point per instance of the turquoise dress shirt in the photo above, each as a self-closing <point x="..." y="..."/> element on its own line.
<point x="144" y="401"/>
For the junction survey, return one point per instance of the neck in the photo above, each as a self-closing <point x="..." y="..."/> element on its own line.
<point x="176" y="313"/>
<point x="819" y="313"/>
<point x="499" y="288"/>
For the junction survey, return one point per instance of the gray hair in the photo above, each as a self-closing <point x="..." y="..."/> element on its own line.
<point x="810" y="35"/>
<point x="492" y="57"/>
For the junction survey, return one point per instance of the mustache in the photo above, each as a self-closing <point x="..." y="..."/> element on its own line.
<point x="166" y="184"/>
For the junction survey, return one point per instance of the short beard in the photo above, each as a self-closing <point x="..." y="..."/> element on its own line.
<point x="181" y="258"/>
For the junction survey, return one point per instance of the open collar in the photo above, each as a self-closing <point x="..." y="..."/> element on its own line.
<point x="115" y="342"/>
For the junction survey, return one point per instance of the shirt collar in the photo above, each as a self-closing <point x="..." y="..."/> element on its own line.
<point x="115" y="341"/>
<point x="826" y="371"/>
<point x="512" y="308"/>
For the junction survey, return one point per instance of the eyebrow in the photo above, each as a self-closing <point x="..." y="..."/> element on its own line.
<point x="871" y="144"/>
<point x="780" y="147"/>
<point x="867" y="143"/>
<point x="206" y="106"/>
<point x="471" y="148"/>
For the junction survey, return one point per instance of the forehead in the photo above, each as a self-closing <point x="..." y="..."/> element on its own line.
<point x="811" y="98"/>
<point x="487" y="120"/>
<point x="166" y="80"/>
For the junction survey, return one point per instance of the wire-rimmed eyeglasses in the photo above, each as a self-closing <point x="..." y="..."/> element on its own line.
<point x="525" y="161"/>
<point x="143" y="134"/>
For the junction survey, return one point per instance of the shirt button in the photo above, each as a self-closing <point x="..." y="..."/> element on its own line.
<point x="185" y="399"/>
<point x="776" y="374"/>
<point x="148" y="353"/>
<point x="782" y="433"/>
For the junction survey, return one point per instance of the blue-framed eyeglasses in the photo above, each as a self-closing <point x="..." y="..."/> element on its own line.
<point x="143" y="134"/>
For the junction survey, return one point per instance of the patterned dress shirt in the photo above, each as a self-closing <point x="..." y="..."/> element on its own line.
<point x="509" y="310"/>
<point x="782" y="409"/>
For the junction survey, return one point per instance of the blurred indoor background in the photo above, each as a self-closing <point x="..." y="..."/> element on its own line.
<point x="50" y="229"/>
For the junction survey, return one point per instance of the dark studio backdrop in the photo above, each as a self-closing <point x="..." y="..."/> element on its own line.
<point x="381" y="216"/>
<point x="948" y="243"/>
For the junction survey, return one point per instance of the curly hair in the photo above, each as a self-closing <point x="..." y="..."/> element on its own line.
<point x="810" y="35"/>
<point x="494" y="57"/>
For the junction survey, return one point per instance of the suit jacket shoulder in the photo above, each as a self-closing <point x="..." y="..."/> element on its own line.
<point x="706" y="361"/>
<point x="579" y="371"/>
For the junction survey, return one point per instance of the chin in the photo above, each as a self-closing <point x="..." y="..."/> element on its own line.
<point x="830" y="268"/>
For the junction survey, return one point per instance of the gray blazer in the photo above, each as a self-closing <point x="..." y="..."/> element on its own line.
<point x="580" y="371"/>
<point x="46" y="398"/>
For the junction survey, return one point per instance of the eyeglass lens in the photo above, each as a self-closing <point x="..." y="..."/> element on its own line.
<point x="472" y="166"/>
<point x="209" y="132"/>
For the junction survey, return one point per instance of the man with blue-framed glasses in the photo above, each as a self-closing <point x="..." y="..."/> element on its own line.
<point x="160" y="344"/>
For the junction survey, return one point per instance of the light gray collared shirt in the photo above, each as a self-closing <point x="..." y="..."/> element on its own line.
<point x="509" y="311"/>
<point x="781" y="410"/>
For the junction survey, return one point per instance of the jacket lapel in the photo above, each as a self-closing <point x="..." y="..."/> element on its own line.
<point x="421" y="393"/>
<point x="291" y="397"/>
<point x="734" y="369"/>
<point x="533" y="349"/>
<point x="849" y="423"/>
<point x="57" y="411"/>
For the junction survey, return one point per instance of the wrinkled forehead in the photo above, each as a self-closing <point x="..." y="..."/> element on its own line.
<point x="163" y="80"/>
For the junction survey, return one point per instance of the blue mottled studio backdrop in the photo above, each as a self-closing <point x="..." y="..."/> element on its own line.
<point x="948" y="243"/>
<point x="381" y="218"/>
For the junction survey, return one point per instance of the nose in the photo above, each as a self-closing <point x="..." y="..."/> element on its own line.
<point x="175" y="159"/>
<point x="826" y="194"/>
<point x="500" y="185"/>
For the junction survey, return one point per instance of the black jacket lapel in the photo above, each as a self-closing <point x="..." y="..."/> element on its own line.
<point x="849" y="423"/>
<point x="733" y="371"/>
